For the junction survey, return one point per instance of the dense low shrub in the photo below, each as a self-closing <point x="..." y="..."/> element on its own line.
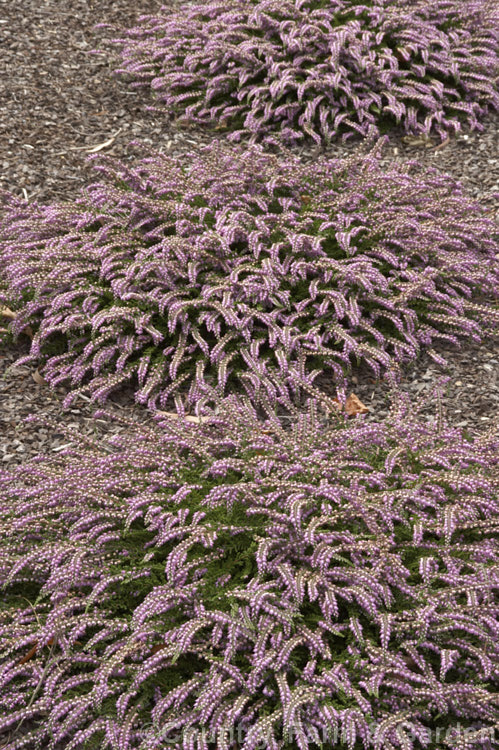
<point x="242" y="265"/>
<point x="318" y="68"/>
<point x="274" y="583"/>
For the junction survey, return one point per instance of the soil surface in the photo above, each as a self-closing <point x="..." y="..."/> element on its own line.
<point x="58" y="101"/>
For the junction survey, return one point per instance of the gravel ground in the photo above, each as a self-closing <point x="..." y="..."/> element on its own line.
<point x="57" y="102"/>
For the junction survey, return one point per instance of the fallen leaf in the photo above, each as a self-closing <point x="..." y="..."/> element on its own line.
<point x="417" y="140"/>
<point x="174" y="415"/>
<point x="100" y="146"/>
<point x="158" y="647"/>
<point x="90" y="149"/>
<point x="29" y="655"/>
<point x="354" y="406"/>
<point x="39" y="380"/>
<point x="441" y="145"/>
<point x="33" y="651"/>
<point x="7" y="313"/>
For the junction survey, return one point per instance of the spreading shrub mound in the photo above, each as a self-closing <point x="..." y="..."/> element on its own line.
<point x="241" y="266"/>
<point x="234" y="584"/>
<point x="298" y="68"/>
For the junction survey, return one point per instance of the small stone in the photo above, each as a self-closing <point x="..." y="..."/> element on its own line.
<point x="458" y="383"/>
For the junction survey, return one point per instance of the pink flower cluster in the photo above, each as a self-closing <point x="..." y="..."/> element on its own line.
<point x="242" y="266"/>
<point x="290" y="69"/>
<point x="243" y="582"/>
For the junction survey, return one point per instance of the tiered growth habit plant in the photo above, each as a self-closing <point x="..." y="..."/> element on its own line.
<point x="236" y="585"/>
<point x="228" y="268"/>
<point x="289" y="69"/>
<point x="231" y="584"/>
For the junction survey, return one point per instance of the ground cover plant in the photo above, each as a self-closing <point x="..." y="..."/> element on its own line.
<point x="240" y="266"/>
<point x="289" y="69"/>
<point x="234" y="584"/>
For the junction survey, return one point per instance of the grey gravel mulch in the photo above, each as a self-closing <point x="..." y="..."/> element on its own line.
<point x="57" y="101"/>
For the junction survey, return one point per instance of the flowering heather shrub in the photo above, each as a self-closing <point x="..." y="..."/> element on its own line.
<point x="242" y="266"/>
<point x="323" y="578"/>
<point x="320" y="67"/>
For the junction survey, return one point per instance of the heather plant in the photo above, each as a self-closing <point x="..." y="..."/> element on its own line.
<point x="240" y="266"/>
<point x="284" y="70"/>
<point x="328" y="582"/>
